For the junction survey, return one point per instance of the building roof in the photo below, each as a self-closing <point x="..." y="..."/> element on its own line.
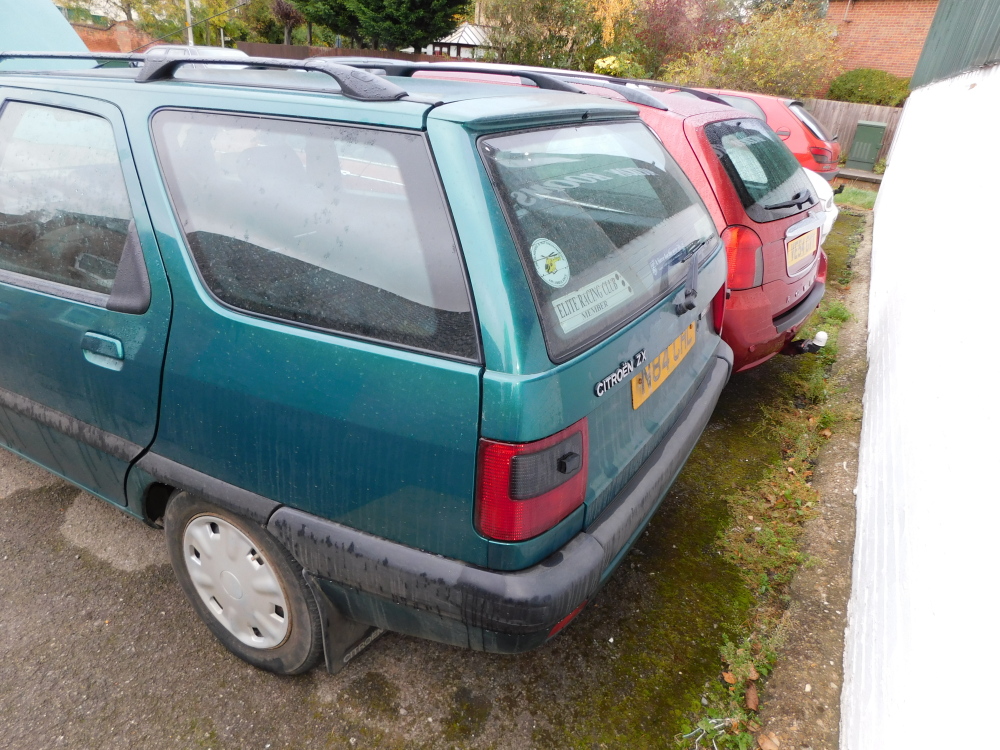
<point x="468" y="34"/>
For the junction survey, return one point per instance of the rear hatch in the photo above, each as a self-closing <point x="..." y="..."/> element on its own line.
<point x="612" y="236"/>
<point x="779" y="203"/>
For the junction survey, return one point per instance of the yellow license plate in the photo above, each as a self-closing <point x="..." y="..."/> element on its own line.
<point x="659" y="369"/>
<point x="801" y="247"/>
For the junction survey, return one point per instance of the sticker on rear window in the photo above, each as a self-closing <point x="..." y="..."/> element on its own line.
<point x="591" y="301"/>
<point x="550" y="262"/>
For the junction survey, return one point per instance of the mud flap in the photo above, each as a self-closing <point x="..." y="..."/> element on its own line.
<point x="343" y="638"/>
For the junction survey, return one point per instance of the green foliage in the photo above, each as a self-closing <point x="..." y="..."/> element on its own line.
<point x="782" y="49"/>
<point x="857" y="197"/>
<point x="622" y="66"/>
<point x="869" y="86"/>
<point x="392" y="24"/>
<point x="879" y="167"/>
<point x="554" y="33"/>
<point x="334" y="15"/>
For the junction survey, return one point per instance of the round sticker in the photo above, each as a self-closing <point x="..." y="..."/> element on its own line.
<point x="550" y="262"/>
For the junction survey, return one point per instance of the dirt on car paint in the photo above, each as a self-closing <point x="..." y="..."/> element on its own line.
<point x="100" y="649"/>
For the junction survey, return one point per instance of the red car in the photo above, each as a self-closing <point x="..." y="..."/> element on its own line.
<point x="764" y="208"/>
<point x="761" y="201"/>
<point x="800" y="131"/>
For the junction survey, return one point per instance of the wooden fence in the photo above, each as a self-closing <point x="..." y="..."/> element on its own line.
<point x="841" y="118"/>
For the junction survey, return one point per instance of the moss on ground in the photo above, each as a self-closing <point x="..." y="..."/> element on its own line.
<point x="691" y="619"/>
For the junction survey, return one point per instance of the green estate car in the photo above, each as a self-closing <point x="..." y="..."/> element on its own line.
<point x="377" y="353"/>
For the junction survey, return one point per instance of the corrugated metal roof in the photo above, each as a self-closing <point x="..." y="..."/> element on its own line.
<point x="468" y="34"/>
<point x="965" y="34"/>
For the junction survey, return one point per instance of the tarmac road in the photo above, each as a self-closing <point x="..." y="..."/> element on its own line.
<point x="99" y="649"/>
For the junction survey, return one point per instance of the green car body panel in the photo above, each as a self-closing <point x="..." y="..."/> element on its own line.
<point x="283" y="422"/>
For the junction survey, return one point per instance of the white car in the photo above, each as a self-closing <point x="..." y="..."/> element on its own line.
<point x="824" y="194"/>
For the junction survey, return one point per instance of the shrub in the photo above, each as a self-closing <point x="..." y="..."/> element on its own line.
<point x="619" y="65"/>
<point x="780" y="48"/>
<point x="870" y="86"/>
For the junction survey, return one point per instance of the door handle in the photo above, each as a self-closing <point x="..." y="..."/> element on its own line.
<point x="103" y="351"/>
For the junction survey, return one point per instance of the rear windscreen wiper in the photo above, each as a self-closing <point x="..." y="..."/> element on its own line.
<point x="798" y="200"/>
<point x="686" y="301"/>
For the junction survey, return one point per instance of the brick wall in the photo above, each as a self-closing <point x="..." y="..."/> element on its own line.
<point x="118" y="37"/>
<point x="883" y="34"/>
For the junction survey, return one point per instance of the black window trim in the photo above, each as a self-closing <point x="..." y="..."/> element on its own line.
<point x="68" y="291"/>
<point x="597" y="338"/>
<point x="477" y="360"/>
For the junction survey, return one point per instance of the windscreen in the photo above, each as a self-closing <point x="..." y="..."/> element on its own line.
<point x="764" y="172"/>
<point x="605" y="221"/>
<point x="747" y="105"/>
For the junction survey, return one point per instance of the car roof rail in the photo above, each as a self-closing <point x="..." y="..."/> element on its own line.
<point x="632" y="95"/>
<point x="354" y="83"/>
<point x="406" y="69"/>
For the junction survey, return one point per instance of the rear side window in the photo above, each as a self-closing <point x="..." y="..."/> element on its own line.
<point x="766" y="175"/>
<point x="809" y="121"/>
<point x="604" y="220"/>
<point x="319" y="225"/>
<point x="64" y="209"/>
<point x="747" y="105"/>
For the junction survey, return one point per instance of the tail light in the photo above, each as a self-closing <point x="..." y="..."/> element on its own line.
<point x="719" y="308"/>
<point x="523" y="489"/>
<point x="745" y="255"/>
<point x="821" y="155"/>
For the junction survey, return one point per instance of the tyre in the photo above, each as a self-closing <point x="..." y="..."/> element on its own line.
<point x="244" y="585"/>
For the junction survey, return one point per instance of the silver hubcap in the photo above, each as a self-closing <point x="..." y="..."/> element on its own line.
<point x="236" y="582"/>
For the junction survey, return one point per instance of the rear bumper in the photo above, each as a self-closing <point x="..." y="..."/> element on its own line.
<point x="388" y="585"/>
<point x="753" y="332"/>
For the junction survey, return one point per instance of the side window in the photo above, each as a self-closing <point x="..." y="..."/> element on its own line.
<point x="64" y="210"/>
<point x="319" y="225"/>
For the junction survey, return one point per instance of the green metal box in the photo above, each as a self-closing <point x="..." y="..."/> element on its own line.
<point x="865" y="147"/>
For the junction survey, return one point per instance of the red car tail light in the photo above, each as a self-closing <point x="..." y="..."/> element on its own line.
<point x="523" y="489"/>
<point x="745" y="255"/>
<point x="821" y="155"/>
<point x="719" y="308"/>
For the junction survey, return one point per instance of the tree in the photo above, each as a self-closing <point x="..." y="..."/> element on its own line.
<point x="555" y="33"/>
<point x="781" y="49"/>
<point x="391" y="24"/>
<point x="335" y="15"/>
<point x="288" y="16"/>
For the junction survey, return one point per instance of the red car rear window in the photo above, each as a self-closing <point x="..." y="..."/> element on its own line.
<point x="764" y="172"/>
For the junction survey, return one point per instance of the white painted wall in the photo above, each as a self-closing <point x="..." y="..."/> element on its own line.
<point x="924" y="616"/>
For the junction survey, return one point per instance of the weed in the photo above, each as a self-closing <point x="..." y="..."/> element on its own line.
<point x="766" y="522"/>
<point x="857" y="197"/>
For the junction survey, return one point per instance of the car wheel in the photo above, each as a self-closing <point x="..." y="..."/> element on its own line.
<point x="244" y="586"/>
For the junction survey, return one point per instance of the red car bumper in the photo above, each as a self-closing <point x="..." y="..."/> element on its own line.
<point x="753" y="330"/>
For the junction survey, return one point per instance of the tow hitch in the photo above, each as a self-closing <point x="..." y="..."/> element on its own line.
<point x="806" y="346"/>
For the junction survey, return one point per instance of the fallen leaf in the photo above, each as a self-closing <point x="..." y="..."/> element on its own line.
<point x="791" y="471"/>
<point x="767" y="741"/>
<point x="752" y="700"/>
<point x="729" y="677"/>
<point x="827" y="432"/>
<point x="753" y="673"/>
<point x="812" y="420"/>
<point x="753" y="726"/>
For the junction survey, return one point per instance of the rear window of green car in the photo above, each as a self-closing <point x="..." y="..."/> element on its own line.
<point x="324" y="226"/>
<point x="604" y="221"/>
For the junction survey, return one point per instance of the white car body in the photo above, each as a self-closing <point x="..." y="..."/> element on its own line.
<point x="824" y="194"/>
